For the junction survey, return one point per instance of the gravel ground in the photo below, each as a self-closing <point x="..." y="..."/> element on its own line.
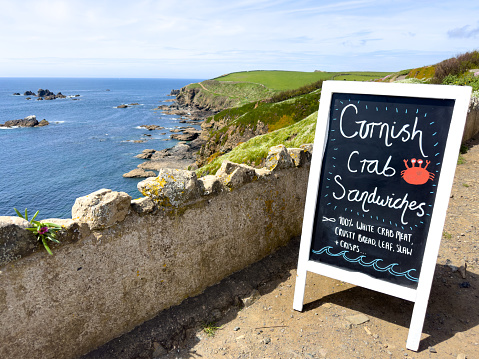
<point x="250" y="315"/>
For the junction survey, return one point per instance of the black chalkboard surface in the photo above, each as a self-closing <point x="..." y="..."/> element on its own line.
<point x="381" y="165"/>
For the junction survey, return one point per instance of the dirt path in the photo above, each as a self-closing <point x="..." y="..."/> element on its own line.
<point x="339" y="320"/>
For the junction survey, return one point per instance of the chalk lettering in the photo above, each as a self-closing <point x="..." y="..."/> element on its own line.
<point x="381" y="130"/>
<point x="404" y="250"/>
<point x="371" y="166"/>
<point x="366" y="198"/>
<point x="343" y="233"/>
<point x="403" y="236"/>
<point x="351" y="247"/>
<point x="385" y="245"/>
<point x="366" y="240"/>
<point x="364" y="227"/>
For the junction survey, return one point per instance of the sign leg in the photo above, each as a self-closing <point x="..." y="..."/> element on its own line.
<point x="299" y="289"/>
<point x="417" y="323"/>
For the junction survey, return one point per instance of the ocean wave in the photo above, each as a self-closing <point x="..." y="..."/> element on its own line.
<point x="373" y="263"/>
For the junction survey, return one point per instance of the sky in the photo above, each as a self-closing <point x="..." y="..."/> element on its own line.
<point x="202" y="39"/>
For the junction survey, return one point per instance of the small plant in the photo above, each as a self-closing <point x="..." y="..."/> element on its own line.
<point x="461" y="160"/>
<point x="210" y="328"/>
<point x="43" y="230"/>
<point x="446" y="235"/>
<point x="465" y="185"/>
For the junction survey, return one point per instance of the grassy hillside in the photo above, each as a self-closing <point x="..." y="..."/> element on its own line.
<point x="234" y="125"/>
<point x="288" y="80"/>
<point x="243" y="92"/>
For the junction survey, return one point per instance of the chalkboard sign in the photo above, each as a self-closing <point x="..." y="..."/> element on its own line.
<point x="379" y="185"/>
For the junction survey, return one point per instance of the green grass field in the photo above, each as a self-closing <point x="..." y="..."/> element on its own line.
<point x="288" y="80"/>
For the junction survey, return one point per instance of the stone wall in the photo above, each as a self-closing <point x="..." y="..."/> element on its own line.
<point x="472" y="121"/>
<point x="121" y="262"/>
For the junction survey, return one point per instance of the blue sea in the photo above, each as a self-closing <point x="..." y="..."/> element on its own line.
<point x="88" y="144"/>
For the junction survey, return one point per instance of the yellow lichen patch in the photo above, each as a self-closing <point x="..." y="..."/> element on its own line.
<point x="161" y="182"/>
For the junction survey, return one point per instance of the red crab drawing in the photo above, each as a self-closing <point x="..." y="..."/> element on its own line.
<point x="416" y="175"/>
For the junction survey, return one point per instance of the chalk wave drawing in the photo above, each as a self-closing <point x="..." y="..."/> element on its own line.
<point x="373" y="263"/>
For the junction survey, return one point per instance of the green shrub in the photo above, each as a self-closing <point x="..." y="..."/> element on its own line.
<point x="465" y="80"/>
<point x="456" y="65"/>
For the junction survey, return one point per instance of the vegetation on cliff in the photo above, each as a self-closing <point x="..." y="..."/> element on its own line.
<point x="254" y="151"/>
<point x="232" y="126"/>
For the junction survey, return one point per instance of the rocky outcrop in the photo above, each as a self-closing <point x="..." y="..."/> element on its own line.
<point x="139" y="173"/>
<point x="152" y="127"/>
<point x="43" y="94"/>
<point x="182" y="156"/>
<point x="29" y="121"/>
<point x="48" y="95"/>
<point x="220" y="142"/>
<point x="202" y="99"/>
<point x="146" y="154"/>
<point x="128" y="105"/>
<point x="185" y="134"/>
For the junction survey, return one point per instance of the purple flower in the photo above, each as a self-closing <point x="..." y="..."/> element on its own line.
<point x="43" y="230"/>
<point x="476" y="73"/>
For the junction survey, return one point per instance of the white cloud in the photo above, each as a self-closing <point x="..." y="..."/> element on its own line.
<point x="464" y="32"/>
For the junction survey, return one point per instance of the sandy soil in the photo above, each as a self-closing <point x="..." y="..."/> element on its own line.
<point x="250" y="315"/>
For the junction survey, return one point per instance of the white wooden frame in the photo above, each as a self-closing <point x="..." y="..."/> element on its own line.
<point x="420" y="295"/>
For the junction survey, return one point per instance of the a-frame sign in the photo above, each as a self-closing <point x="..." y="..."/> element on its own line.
<point x="379" y="185"/>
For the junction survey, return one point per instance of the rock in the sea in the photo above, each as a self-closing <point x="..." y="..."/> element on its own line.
<point x="16" y="94"/>
<point x="101" y="209"/>
<point x="43" y="123"/>
<point x="29" y="121"/>
<point x="45" y="93"/>
<point x="139" y="173"/>
<point x="29" y="93"/>
<point x="146" y="154"/>
<point x="189" y="136"/>
<point x="122" y="106"/>
<point x="185" y="134"/>
<point x="172" y="187"/>
<point x="152" y="127"/>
